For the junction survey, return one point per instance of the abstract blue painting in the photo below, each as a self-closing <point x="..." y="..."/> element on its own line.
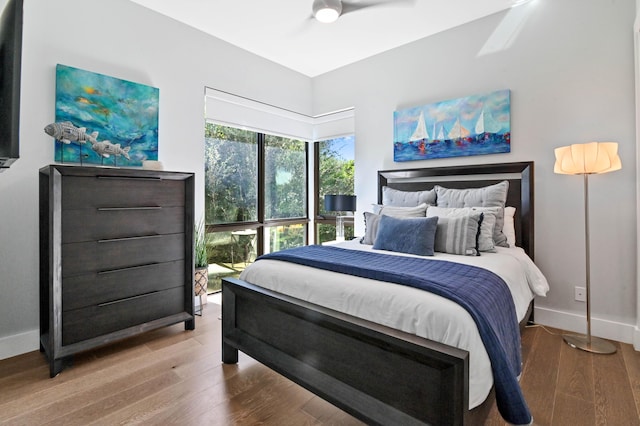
<point x="123" y="113"/>
<point x="474" y="125"/>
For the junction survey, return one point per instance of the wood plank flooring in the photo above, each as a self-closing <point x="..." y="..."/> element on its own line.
<point x="170" y="376"/>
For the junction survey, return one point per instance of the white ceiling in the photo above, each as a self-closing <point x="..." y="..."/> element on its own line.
<point x="284" y="32"/>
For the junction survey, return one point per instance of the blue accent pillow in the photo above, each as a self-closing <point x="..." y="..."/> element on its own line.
<point x="415" y="235"/>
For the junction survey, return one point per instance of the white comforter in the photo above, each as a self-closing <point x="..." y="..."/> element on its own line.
<point x="409" y="309"/>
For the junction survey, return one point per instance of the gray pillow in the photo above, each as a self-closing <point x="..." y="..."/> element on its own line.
<point x="371" y="219"/>
<point x="413" y="235"/>
<point x="458" y="234"/>
<point x="395" y="197"/>
<point x="488" y="196"/>
<point x="371" y="228"/>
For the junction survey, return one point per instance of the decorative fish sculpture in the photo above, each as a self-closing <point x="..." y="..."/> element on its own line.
<point x="106" y="148"/>
<point x="66" y="132"/>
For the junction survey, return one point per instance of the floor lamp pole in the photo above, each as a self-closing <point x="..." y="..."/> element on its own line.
<point x="588" y="343"/>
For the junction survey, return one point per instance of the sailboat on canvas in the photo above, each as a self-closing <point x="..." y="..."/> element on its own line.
<point x="458" y="133"/>
<point x="482" y="135"/>
<point x="420" y="135"/>
<point x="474" y="125"/>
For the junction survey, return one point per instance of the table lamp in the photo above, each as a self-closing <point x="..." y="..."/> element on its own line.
<point x="339" y="204"/>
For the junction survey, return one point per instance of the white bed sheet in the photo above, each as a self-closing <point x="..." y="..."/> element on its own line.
<point x="405" y="308"/>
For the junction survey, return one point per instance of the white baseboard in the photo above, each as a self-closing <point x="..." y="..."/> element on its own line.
<point x="636" y="339"/>
<point x="19" y="344"/>
<point x="626" y="333"/>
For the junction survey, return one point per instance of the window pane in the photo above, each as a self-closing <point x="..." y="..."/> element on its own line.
<point x="284" y="237"/>
<point x="285" y="178"/>
<point x="231" y="175"/>
<point x="336" y="168"/>
<point x="327" y="232"/>
<point x="228" y="254"/>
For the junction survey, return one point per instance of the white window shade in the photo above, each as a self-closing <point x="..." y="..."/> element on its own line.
<point x="236" y="111"/>
<point x="333" y="125"/>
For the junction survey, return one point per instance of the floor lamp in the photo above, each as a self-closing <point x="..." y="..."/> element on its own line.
<point x="586" y="159"/>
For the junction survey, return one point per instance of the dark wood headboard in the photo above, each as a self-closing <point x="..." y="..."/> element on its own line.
<point x="520" y="195"/>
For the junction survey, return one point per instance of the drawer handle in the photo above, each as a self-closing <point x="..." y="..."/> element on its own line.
<point x="126" y="299"/>
<point x="129" y="238"/>
<point x="154" y="178"/>
<point x="108" y="209"/>
<point x="130" y="268"/>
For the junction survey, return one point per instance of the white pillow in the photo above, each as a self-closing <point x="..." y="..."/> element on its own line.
<point x="485" y="238"/>
<point x="509" y="229"/>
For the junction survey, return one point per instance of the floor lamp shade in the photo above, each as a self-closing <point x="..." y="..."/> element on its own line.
<point x="586" y="159"/>
<point x="340" y="203"/>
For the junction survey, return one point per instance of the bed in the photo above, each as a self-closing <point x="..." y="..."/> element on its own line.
<point x="347" y="359"/>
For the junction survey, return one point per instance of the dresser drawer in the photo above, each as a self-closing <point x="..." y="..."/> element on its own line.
<point x="120" y="222"/>
<point x="108" y="255"/>
<point x="92" y="289"/>
<point x="96" y="320"/>
<point x="111" y="191"/>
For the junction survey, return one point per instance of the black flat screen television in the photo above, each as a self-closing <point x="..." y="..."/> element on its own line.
<point x="10" y="67"/>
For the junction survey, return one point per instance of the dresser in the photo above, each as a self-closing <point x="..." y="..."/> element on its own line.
<point x="116" y="256"/>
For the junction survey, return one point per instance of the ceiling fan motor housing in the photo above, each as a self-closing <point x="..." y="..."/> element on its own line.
<point x="327" y="10"/>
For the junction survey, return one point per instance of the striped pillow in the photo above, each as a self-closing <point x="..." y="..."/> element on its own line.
<point x="485" y="237"/>
<point x="458" y="235"/>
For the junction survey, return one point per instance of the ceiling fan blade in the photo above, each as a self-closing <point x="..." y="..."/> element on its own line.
<point x="353" y="6"/>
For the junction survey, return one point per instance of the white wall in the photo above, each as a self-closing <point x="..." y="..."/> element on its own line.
<point x="570" y="67"/>
<point x="123" y="40"/>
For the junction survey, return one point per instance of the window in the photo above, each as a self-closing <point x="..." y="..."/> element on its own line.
<point x="285" y="178"/>
<point x="255" y="197"/>
<point x="231" y="175"/>
<point x="334" y="175"/>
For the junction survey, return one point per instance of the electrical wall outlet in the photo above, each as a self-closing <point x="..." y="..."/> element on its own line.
<point x="581" y="294"/>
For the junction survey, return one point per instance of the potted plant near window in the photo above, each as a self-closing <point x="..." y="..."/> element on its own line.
<point x="201" y="263"/>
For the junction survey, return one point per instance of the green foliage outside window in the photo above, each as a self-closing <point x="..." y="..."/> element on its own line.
<point x="231" y="175"/>
<point x="285" y="178"/>
<point x="284" y="237"/>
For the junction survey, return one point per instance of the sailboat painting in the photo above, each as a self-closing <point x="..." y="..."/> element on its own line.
<point x="473" y="125"/>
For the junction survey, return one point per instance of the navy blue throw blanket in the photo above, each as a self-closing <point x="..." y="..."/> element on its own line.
<point x="481" y="292"/>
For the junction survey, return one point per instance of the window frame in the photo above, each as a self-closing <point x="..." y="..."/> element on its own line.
<point x="261" y="224"/>
<point x="329" y="219"/>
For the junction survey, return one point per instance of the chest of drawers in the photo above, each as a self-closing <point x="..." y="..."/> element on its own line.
<point x="116" y="256"/>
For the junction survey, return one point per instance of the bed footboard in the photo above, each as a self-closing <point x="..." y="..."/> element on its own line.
<point x="375" y="373"/>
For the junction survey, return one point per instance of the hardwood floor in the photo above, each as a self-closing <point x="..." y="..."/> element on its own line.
<point x="170" y="376"/>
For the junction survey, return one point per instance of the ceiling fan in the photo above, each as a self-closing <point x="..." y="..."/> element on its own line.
<point x="328" y="11"/>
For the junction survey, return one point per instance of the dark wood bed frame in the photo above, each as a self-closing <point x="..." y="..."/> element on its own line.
<point x="377" y="374"/>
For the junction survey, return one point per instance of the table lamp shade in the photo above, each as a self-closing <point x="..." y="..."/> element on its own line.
<point x="340" y="203"/>
<point x="587" y="158"/>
